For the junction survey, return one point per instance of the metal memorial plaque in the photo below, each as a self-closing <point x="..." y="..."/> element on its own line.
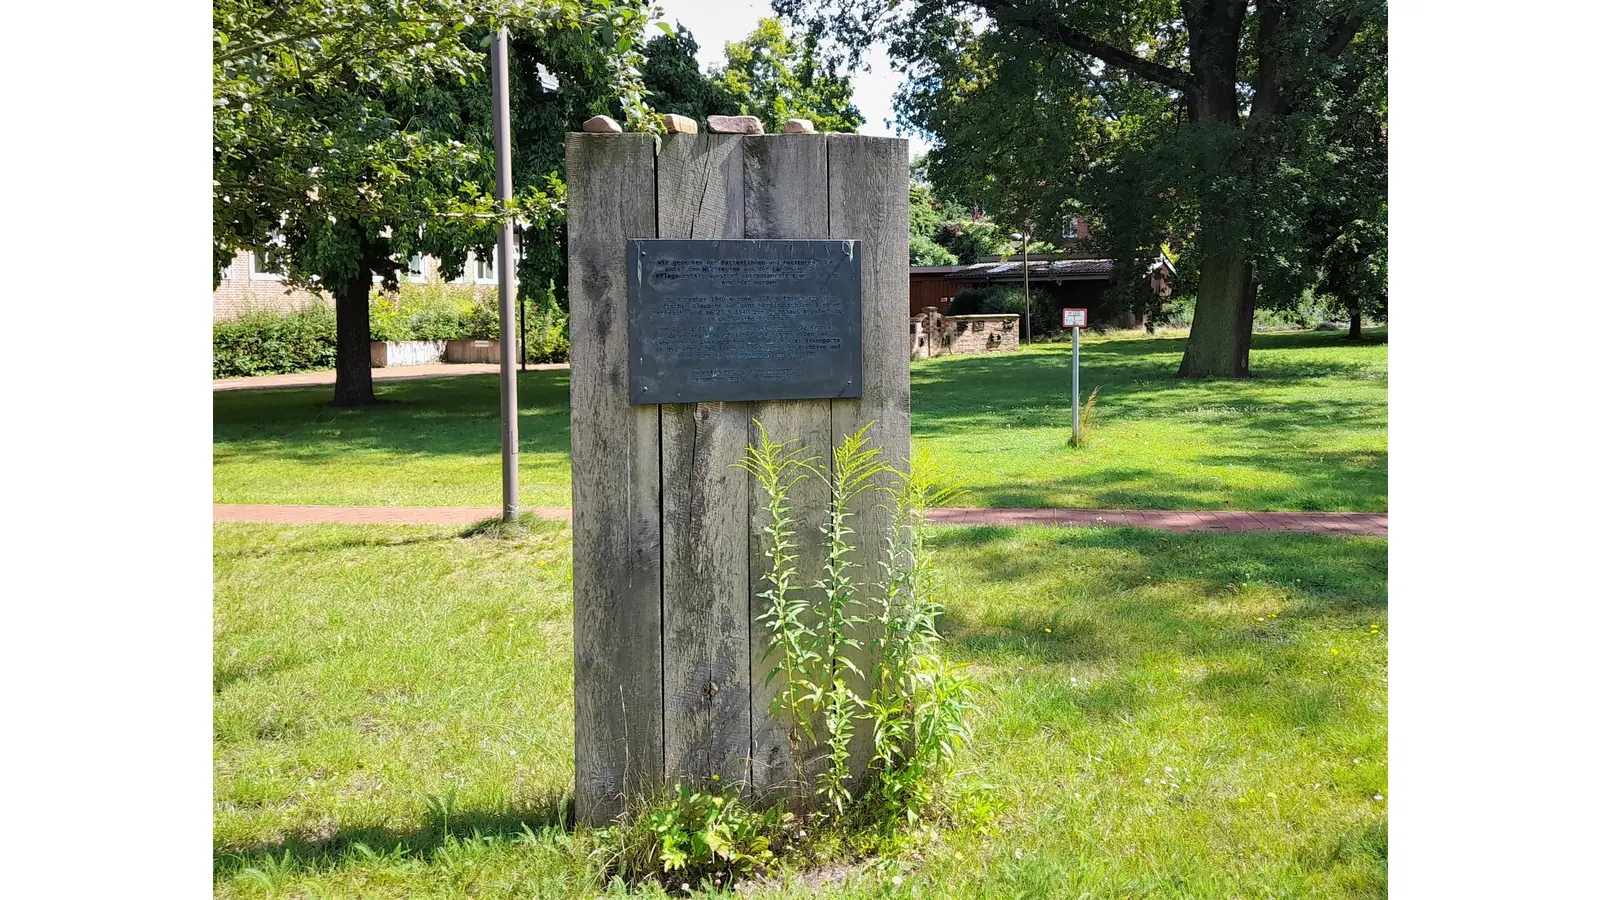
<point x="743" y="320"/>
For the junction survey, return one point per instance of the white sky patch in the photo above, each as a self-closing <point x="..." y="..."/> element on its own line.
<point x="714" y="23"/>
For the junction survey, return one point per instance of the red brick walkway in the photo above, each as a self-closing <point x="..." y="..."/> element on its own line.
<point x="1225" y="520"/>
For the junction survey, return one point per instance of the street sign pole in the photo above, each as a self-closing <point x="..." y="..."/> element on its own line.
<point x="1077" y="320"/>
<point x="506" y="269"/>
<point x="1074" y="382"/>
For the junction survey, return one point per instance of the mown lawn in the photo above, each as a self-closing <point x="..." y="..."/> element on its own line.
<point x="1309" y="432"/>
<point x="1159" y="716"/>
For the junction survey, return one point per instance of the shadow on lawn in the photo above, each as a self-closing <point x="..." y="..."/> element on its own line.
<point x="357" y="844"/>
<point x="1122" y="616"/>
<point x="455" y="416"/>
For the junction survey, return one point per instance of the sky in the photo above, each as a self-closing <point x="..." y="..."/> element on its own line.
<point x="716" y="22"/>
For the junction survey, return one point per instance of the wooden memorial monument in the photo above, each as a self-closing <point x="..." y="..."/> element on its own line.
<point x="724" y="279"/>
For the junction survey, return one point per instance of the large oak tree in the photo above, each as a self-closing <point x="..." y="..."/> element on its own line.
<point x="1193" y="123"/>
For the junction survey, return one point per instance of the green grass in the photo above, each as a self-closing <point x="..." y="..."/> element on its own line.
<point x="1160" y="716"/>
<point x="430" y="442"/>
<point x="1309" y="432"/>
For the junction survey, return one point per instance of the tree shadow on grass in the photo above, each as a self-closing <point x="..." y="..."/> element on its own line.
<point x="358" y="844"/>
<point x="455" y="416"/>
<point x="350" y="541"/>
<point x="1167" y="597"/>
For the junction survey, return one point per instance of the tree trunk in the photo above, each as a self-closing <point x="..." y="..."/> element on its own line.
<point x="1219" y="339"/>
<point x="1355" y="322"/>
<point x="1224" y="306"/>
<point x="352" y="384"/>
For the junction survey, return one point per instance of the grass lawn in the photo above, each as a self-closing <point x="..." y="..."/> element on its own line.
<point x="1310" y="432"/>
<point x="1160" y="716"/>
<point x="430" y="442"/>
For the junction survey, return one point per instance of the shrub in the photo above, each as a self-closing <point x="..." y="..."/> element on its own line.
<point x="435" y="312"/>
<point x="268" y="343"/>
<point x="548" y="340"/>
<point x="271" y="343"/>
<point x="1046" y="318"/>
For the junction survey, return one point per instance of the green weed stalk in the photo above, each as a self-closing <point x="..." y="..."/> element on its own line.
<point x="777" y="468"/>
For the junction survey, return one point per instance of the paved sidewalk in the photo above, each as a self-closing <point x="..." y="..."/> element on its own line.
<point x="1184" y="521"/>
<point x="397" y="373"/>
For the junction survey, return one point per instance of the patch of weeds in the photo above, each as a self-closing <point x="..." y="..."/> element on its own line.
<point x="695" y="840"/>
<point x="1085" y="420"/>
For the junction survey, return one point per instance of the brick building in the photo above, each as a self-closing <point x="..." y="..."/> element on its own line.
<point x="249" y="285"/>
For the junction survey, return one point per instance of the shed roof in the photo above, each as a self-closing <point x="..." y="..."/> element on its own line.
<point x="1043" y="269"/>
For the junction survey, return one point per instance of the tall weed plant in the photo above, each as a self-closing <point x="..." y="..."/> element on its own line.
<point x="917" y="702"/>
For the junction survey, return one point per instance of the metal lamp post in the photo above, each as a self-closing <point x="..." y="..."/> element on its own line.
<point x="1027" y="298"/>
<point x="499" y="66"/>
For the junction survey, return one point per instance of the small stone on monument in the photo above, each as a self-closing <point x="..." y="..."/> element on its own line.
<point x="602" y="125"/>
<point x="680" y="124"/>
<point x="799" y="126"/>
<point x="735" y="125"/>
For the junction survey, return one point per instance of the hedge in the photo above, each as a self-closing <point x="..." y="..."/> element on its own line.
<point x="268" y="343"/>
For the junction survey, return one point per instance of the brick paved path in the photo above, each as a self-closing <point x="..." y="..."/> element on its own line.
<point x="1226" y="520"/>
<point x="398" y="373"/>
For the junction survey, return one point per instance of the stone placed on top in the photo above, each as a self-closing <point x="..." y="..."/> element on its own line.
<point x="602" y="125"/>
<point x="799" y="126"/>
<point x="735" y="125"/>
<point x="680" y="124"/>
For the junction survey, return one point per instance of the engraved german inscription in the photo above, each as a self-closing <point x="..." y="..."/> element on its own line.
<point x="743" y="320"/>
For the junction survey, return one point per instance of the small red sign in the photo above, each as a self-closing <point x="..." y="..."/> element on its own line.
<point x="1074" y="318"/>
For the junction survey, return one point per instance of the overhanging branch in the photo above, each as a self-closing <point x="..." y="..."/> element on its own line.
<point x="1082" y="42"/>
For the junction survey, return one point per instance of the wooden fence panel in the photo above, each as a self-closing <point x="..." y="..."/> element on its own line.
<point x="786" y="198"/>
<point x="865" y="202"/>
<point x="616" y="523"/>
<point x="704" y="516"/>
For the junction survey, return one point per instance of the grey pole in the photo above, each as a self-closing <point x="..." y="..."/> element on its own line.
<point x="500" y="71"/>
<point x="1027" y="298"/>
<point x="1075" y="435"/>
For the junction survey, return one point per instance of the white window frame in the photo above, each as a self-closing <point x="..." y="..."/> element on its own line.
<point x="259" y="274"/>
<point x="421" y="276"/>
<point x="477" y="271"/>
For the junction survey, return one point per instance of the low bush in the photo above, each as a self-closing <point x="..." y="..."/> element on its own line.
<point x="268" y="343"/>
<point x="982" y="301"/>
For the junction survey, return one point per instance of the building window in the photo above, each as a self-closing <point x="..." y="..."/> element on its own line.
<point x="1072" y="228"/>
<point x="415" y="273"/>
<point x="264" y="266"/>
<point x="484" y="269"/>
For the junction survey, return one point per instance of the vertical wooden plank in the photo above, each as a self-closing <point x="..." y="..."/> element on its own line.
<point x="867" y="201"/>
<point x="786" y="197"/>
<point x="704" y="517"/>
<point x="616" y="533"/>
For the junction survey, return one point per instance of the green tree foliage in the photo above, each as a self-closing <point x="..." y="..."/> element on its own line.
<point x="948" y="231"/>
<point x="343" y="142"/>
<point x="1207" y="125"/>
<point x="675" y="83"/>
<point x="925" y="251"/>
<point x="775" y="78"/>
